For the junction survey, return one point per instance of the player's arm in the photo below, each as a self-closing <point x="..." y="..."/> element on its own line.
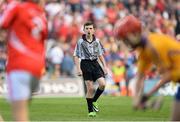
<point x="3" y="34"/>
<point x="76" y="58"/>
<point x="139" y="83"/>
<point x="77" y="64"/>
<point x="101" y="57"/>
<point x="103" y="62"/>
<point x="8" y="15"/>
<point x="139" y="87"/>
<point x="165" y="79"/>
<point x="1" y="3"/>
<point x="144" y="64"/>
<point x="166" y="76"/>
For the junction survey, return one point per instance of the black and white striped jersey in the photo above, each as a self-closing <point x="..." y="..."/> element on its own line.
<point x="88" y="50"/>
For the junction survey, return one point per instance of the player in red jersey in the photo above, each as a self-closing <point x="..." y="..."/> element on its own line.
<point x="27" y="29"/>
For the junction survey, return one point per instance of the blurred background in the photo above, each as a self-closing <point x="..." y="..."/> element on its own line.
<point x="65" y="26"/>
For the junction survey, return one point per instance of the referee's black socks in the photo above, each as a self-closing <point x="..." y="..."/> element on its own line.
<point x="89" y="103"/>
<point x="97" y="94"/>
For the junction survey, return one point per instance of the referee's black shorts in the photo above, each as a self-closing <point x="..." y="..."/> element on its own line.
<point x="91" y="70"/>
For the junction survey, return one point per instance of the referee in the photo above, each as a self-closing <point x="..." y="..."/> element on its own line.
<point x="86" y="55"/>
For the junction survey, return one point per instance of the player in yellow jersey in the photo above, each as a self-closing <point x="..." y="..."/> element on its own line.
<point x="153" y="49"/>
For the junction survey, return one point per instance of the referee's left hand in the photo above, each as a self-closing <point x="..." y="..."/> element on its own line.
<point x="105" y="71"/>
<point x="79" y="72"/>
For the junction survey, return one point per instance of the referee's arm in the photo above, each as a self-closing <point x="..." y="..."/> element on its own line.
<point x="101" y="58"/>
<point x="76" y="58"/>
<point x="77" y="64"/>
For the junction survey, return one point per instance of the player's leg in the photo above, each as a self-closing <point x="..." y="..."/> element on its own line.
<point x="89" y="97"/>
<point x="20" y="110"/>
<point x="19" y="92"/>
<point x="176" y="107"/>
<point x="98" y="75"/>
<point x="99" y="91"/>
<point x="1" y="119"/>
<point x="176" y="111"/>
<point x="86" y="67"/>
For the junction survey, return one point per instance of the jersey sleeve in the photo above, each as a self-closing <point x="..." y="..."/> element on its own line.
<point x="101" y="49"/>
<point x="8" y="15"/>
<point x="77" y="50"/>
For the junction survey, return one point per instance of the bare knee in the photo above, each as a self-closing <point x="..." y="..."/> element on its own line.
<point x="102" y="83"/>
<point x="102" y="86"/>
<point x="90" y="89"/>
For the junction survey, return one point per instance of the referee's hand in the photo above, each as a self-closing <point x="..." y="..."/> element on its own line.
<point x="105" y="71"/>
<point x="79" y="72"/>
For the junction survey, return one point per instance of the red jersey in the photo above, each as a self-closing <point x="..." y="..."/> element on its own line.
<point x="27" y="30"/>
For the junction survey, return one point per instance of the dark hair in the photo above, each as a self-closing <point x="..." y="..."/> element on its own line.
<point x="89" y="23"/>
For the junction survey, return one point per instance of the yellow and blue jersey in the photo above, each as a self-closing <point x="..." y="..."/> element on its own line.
<point x="163" y="51"/>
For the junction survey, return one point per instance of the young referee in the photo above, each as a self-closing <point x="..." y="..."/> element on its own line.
<point x="86" y="55"/>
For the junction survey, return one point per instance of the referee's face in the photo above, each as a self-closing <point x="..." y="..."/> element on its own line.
<point x="89" y="30"/>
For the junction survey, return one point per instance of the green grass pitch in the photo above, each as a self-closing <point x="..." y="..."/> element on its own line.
<point x="74" y="109"/>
